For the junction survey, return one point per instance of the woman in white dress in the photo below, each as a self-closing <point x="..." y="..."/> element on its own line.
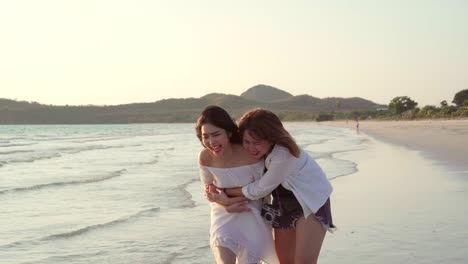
<point x="300" y="213"/>
<point x="234" y="237"/>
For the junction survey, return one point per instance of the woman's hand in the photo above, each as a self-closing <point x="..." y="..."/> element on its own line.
<point x="235" y="192"/>
<point x="217" y="195"/>
<point x="211" y="188"/>
<point x="237" y="207"/>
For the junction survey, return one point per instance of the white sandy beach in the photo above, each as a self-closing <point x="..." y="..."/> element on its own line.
<point x="403" y="206"/>
<point x="445" y="141"/>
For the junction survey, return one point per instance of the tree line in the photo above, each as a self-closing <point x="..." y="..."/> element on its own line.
<point x="403" y="107"/>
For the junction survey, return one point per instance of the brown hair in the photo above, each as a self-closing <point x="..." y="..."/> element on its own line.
<point x="218" y="117"/>
<point x="264" y="124"/>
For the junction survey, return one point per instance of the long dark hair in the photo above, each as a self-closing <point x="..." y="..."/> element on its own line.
<point x="264" y="124"/>
<point x="218" y="117"/>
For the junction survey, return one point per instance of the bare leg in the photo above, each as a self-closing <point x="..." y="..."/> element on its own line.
<point x="224" y="255"/>
<point x="309" y="238"/>
<point x="285" y="244"/>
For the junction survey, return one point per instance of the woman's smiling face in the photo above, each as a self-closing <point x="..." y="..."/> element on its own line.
<point x="215" y="139"/>
<point x="258" y="148"/>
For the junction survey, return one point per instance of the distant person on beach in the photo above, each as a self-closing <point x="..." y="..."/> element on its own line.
<point x="300" y="213"/>
<point x="234" y="237"/>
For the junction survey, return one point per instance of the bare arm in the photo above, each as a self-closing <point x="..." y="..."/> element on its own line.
<point x="237" y="207"/>
<point x="231" y="204"/>
<point x="216" y="195"/>
<point x="235" y="192"/>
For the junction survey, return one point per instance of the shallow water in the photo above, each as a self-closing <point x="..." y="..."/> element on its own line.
<point x="130" y="193"/>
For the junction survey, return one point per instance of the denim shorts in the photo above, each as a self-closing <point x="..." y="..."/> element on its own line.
<point x="285" y="210"/>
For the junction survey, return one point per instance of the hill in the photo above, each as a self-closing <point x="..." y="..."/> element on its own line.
<point x="265" y="93"/>
<point x="289" y="107"/>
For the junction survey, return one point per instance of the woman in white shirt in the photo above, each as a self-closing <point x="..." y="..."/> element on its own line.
<point x="300" y="213"/>
<point x="241" y="238"/>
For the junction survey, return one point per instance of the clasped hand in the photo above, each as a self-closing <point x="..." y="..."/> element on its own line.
<point x="231" y="204"/>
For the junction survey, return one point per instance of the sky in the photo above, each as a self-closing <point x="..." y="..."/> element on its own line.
<point x="108" y="52"/>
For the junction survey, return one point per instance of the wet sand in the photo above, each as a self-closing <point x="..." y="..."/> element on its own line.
<point x="400" y="206"/>
<point x="445" y="141"/>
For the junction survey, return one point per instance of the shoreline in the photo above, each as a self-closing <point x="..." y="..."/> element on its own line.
<point x="443" y="141"/>
<point x="398" y="207"/>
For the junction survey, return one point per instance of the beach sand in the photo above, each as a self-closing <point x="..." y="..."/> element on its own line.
<point x="402" y="205"/>
<point x="407" y="201"/>
<point x="444" y="141"/>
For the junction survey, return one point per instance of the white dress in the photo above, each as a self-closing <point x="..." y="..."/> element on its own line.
<point x="246" y="234"/>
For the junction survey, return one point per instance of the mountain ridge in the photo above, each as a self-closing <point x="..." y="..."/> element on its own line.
<point x="265" y="93"/>
<point x="178" y="110"/>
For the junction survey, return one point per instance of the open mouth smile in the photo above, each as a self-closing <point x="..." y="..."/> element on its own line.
<point x="216" y="149"/>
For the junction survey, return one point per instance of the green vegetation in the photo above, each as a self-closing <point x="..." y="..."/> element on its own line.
<point x="403" y="107"/>
<point x="460" y="98"/>
<point x="324" y="117"/>
<point x="401" y="104"/>
<point x="292" y="108"/>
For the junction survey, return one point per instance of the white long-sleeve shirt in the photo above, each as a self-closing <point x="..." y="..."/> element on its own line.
<point x="303" y="176"/>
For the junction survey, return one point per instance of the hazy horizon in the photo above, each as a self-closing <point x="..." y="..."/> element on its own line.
<point x="219" y="92"/>
<point x="118" y="52"/>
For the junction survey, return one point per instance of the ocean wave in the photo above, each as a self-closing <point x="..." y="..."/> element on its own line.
<point x="73" y="150"/>
<point x="335" y="168"/>
<point x="170" y="258"/>
<point x="18" y="145"/>
<point x="72" y="139"/>
<point x="151" y="162"/>
<point x="320" y="155"/>
<point x="318" y="142"/>
<point x="341" y="167"/>
<point x="66" y="150"/>
<point x="67" y="257"/>
<point x="65" y="183"/>
<point x="14" y="151"/>
<point x="352" y="171"/>
<point x="100" y="139"/>
<point x="181" y="191"/>
<point x="329" y="154"/>
<point x="185" y="184"/>
<point x="65" y="138"/>
<point x="32" y="159"/>
<point x="14" y="138"/>
<point x="99" y="226"/>
<point x="60" y="138"/>
<point x="86" y="229"/>
<point x="347" y="167"/>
